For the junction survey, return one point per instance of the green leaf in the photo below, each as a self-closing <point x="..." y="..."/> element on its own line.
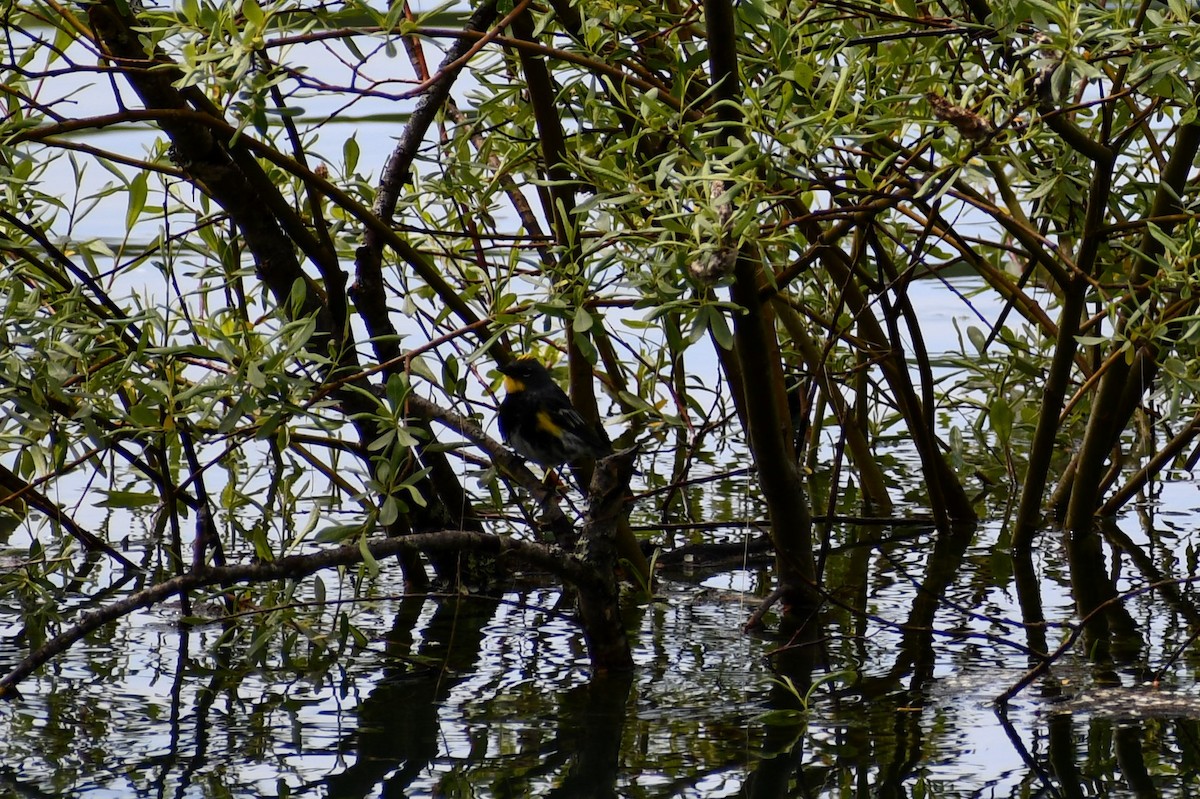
<point x="1000" y="415"/>
<point x="337" y="533"/>
<point x="138" y="192"/>
<point x="977" y="338"/>
<point x="711" y="318"/>
<point x="369" y="561"/>
<point x="286" y="111"/>
<point x="298" y="297"/>
<point x="406" y="437"/>
<point x="350" y="153"/>
<point x="253" y="13"/>
<point x="255" y="376"/>
<point x="145" y="414"/>
<point x="396" y="390"/>
<point x="419" y="367"/>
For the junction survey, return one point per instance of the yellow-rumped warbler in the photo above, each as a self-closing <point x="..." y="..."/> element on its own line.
<point x="538" y="421"/>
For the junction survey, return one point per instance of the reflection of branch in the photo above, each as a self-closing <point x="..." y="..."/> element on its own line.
<point x="755" y="622"/>
<point x="293" y="567"/>
<point x="831" y="596"/>
<point x="1028" y="758"/>
<point x="1078" y="629"/>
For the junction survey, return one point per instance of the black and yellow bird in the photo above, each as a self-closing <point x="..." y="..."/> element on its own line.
<point x="539" y="422"/>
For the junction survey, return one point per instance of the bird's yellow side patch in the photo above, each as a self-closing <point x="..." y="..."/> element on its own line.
<point x="544" y="422"/>
<point x="512" y="385"/>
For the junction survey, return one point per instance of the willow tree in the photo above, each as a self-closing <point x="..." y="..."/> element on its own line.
<point x="243" y="315"/>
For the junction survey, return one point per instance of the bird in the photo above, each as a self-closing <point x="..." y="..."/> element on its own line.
<point x="538" y="421"/>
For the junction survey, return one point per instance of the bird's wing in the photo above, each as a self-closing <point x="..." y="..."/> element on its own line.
<point x="556" y="419"/>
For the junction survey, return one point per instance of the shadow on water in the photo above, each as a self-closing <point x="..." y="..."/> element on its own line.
<point x="890" y="691"/>
<point x="396" y="739"/>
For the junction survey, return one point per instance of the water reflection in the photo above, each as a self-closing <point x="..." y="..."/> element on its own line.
<point x="490" y="696"/>
<point x="396" y="738"/>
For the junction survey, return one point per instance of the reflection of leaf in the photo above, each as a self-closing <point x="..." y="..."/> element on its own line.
<point x="782" y="718"/>
<point x="128" y="499"/>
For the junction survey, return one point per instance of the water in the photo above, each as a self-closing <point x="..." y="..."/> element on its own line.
<point x="492" y="697"/>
